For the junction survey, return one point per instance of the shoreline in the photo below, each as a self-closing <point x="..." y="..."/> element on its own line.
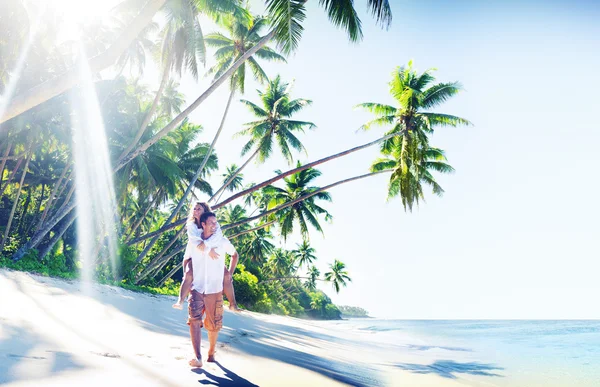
<point x="57" y="332"/>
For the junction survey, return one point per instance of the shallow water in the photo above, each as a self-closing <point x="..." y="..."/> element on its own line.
<point x="488" y="352"/>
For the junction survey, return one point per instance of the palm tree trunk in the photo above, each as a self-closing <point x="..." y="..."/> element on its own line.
<point x="197" y="102"/>
<point x="222" y="189"/>
<point x="58" y="234"/>
<point x="150" y="114"/>
<point x="263" y="184"/>
<point x="39" y="236"/>
<point x="25" y="209"/>
<point x="289" y="277"/>
<point x="193" y="181"/>
<point x="291" y="203"/>
<point x="16" y="202"/>
<point x="156" y="260"/>
<point x="58" y="85"/>
<point x="177" y="251"/>
<point x="141" y="219"/>
<point x="306" y="166"/>
<point x="4" y="159"/>
<point x="12" y="175"/>
<point x="252" y="229"/>
<point x="157" y="232"/>
<point x="170" y="274"/>
<point x="53" y="195"/>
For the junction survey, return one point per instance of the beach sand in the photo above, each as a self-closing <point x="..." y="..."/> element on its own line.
<point x="56" y="333"/>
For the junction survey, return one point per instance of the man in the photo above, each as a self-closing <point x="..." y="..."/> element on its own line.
<point x="206" y="297"/>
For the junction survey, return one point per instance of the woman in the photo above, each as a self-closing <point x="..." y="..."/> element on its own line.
<point x="194" y="232"/>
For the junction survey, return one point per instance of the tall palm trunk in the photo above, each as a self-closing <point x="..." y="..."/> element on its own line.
<point x="150" y="114"/>
<point x="214" y="86"/>
<point x="302" y="198"/>
<point x="306" y="166"/>
<point x="25" y="210"/>
<point x="12" y="175"/>
<point x="66" y="209"/>
<point x="156" y="260"/>
<point x="4" y="159"/>
<point x="141" y="219"/>
<point x="194" y="179"/>
<point x="174" y="270"/>
<point x="239" y="170"/>
<point x="16" y="202"/>
<point x="264" y="184"/>
<point x="58" y="85"/>
<point x="53" y="195"/>
<point x="252" y="229"/>
<point x="58" y="234"/>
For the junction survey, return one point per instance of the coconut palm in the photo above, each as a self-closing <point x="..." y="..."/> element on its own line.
<point x="408" y="182"/>
<point x="313" y="276"/>
<point x="287" y="17"/>
<point x="304" y="212"/>
<point x="304" y="254"/>
<point x="338" y="276"/>
<point x="236" y="181"/>
<point x="412" y="120"/>
<point x="257" y="246"/>
<point x="274" y="124"/>
<point x="171" y="99"/>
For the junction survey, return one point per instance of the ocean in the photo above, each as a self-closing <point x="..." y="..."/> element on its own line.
<point x="487" y="352"/>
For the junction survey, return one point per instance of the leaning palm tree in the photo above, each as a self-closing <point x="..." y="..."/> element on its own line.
<point x="412" y="122"/>
<point x="412" y="119"/>
<point x="338" y="276"/>
<point x="182" y="47"/>
<point x="287" y="17"/>
<point x="304" y="212"/>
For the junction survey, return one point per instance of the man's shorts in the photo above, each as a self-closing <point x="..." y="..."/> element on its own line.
<point x="210" y="305"/>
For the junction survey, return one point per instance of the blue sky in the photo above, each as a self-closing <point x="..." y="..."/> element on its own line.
<point x="514" y="235"/>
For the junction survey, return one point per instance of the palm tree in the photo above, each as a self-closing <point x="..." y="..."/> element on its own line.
<point x="306" y="211"/>
<point x="304" y="254"/>
<point x="313" y="276"/>
<point x="408" y="182"/>
<point x="257" y="246"/>
<point x="171" y="99"/>
<point x="286" y="27"/>
<point x="243" y="35"/>
<point x="274" y="124"/>
<point x="233" y="214"/>
<point x="236" y="181"/>
<point x="281" y="263"/>
<point x="412" y="121"/>
<point x="182" y="46"/>
<point x="337" y="276"/>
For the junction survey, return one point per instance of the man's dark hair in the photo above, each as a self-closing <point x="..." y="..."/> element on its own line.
<point x="204" y="217"/>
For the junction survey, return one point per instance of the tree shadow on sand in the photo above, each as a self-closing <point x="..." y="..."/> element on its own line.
<point x="213" y="380"/>
<point x="448" y="368"/>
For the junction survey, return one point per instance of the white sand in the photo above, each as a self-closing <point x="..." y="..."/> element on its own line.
<point x="53" y="334"/>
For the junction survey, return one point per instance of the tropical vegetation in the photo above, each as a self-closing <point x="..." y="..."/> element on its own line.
<point x="158" y="160"/>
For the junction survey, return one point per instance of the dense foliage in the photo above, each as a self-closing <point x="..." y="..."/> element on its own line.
<point x="160" y="161"/>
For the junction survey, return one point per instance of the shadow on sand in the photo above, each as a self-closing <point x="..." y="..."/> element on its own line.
<point x="231" y="378"/>
<point x="448" y="368"/>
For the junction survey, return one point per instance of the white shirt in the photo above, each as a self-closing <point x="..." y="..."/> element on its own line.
<point x="195" y="237"/>
<point x="208" y="272"/>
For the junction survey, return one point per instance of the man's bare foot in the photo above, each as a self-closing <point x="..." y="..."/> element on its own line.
<point x="195" y="363"/>
<point x="234" y="308"/>
<point x="178" y="305"/>
<point x="211" y="357"/>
